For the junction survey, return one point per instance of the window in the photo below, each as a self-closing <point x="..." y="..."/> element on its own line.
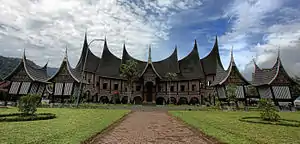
<point x="193" y="87"/>
<point x="125" y="89"/>
<point x="104" y="85"/>
<point x="138" y="88"/>
<point x="172" y="88"/>
<point x="89" y="80"/>
<point x="116" y="86"/>
<point x="182" y="88"/>
<point x="201" y="85"/>
<point x="97" y="84"/>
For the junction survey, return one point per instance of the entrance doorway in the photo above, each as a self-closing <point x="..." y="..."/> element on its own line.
<point x="149" y="87"/>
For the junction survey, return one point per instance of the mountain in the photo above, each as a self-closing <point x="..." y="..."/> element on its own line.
<point x="8" y="64"/>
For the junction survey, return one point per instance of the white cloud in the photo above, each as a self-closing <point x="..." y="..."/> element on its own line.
<point x="250" y="20"/>
<point x="45" y="27"/>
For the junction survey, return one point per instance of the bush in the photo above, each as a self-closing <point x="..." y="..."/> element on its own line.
<point x="15" y="117"/>
<point x="268" y="111"/>
<point x="28" y="104"/>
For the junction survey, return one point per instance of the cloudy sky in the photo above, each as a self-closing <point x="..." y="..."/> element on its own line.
<point x="255" y="29"/>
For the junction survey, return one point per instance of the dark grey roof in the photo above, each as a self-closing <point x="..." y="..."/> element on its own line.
<point x="37" y="74"/>
<point x="109" y="65"/>
<point x="268" y="76"/>
<point x="209" y="62"/>
<point x="190" y="66"/>
<point x="65" y="65"/>
<point x="169" y="64"/>
<point x="264" y="76"/>
<point x="126" y="56"/>
<point x="92" y="61"/>
<point x="34" y="72"/>
<point x="222" y="75"/>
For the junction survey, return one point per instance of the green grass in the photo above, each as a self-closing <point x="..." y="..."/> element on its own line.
<point x="70" y="126"/>
<point x="226" y="127"/>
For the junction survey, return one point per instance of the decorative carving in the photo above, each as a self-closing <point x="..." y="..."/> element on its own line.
<point x="149" y="76"/>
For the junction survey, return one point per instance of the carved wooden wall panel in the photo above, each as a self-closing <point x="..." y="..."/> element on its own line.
<point x="21" y="75"/>
<point x="149" y="76"/>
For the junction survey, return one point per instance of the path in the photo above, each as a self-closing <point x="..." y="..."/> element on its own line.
<point x="150" y="128"/>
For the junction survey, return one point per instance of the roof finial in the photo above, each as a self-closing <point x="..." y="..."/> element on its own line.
<point x="66" y="54"/>
<point x="231" y="52"/>
<point x="24" y="57"/>
<point x="149" y="55"/>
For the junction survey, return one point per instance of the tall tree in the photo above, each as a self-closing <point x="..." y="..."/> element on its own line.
<point x="231" y="94"/>
<point x="130" y="73"/>
<point x="170" y="77"/>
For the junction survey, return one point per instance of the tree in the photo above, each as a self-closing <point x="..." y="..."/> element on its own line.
<point x="268" y="111"/>
<point x="231" y="94"/>
<point x="130" y="73"/>
<point x="170" y="77"/>
<point x="28" y="104"/>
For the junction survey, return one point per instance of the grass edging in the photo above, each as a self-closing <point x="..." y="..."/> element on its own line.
<point x="17" y="117"/>
<point x="208" y="138"/>
<point x="106" y="129"/>
<point x="293" y="123"/>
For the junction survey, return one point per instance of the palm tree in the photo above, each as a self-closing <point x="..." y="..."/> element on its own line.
<point x="170" y="77"/>
<point x="130" y="73"/>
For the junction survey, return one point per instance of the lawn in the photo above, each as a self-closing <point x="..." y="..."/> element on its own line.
<point x="226" y="127"/>
<point x="70" y="126"/>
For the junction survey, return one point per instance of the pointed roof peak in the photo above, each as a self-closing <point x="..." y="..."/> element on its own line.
<point x="149" y="55"/>
<point x="66" y="54"/>
<point x="231" y="57"/>
<point x="24" y="54"/>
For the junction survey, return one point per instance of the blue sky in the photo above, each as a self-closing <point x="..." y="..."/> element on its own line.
<point x="254" y="28"/>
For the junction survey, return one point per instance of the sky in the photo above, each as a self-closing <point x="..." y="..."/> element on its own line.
<point x="256" y="29"/>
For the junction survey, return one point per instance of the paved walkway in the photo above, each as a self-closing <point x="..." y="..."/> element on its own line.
<point x="150" y="128"/>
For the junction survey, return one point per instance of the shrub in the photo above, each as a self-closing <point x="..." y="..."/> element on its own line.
<point x="268" y="111"/>
<point x="27" y="104"/>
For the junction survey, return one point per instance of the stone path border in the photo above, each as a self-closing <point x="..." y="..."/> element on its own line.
<point x="150" y="127"/>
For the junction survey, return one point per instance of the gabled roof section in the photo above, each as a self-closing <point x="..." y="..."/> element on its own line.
<point x="150" y="64"/>
<point x="87" y="56"/>
<point x="126" y="56"/>
<point x="34" y="72"/>
<point x="209" y="62"/>
<point x="170" y="64"/>
<point x="190" y="66"/>
<point x="281" y="72"/>
<point x="266" y="76"/>
<point x="222" y="76"/>
<point x="109" y="65"/>
<point x="66" y="67"/>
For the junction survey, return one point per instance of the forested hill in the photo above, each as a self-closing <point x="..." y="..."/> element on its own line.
<point x="7" y="65"/>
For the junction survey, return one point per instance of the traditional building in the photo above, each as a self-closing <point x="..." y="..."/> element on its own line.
<point x="197" y="81"/>
<point x="27" y="78"/>
<point x="274" y="83"/>
<point x="190" y="85"/>
<point x="230" y="76"/>
<point x="65" y="82"/>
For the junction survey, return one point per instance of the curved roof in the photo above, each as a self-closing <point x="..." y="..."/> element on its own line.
<point x="126" y="56"/>
<point x="268" y="76"/>
<point x="222" y="75"/>
<point x="109" y="64"/>
<point x="65" y="65"/>
<point x="170" y="64"/>
<point x="91" y="60"/>
<point x="210" y="62"/>
<point x="190" y="66"/>
<point x="34" y="72"/>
